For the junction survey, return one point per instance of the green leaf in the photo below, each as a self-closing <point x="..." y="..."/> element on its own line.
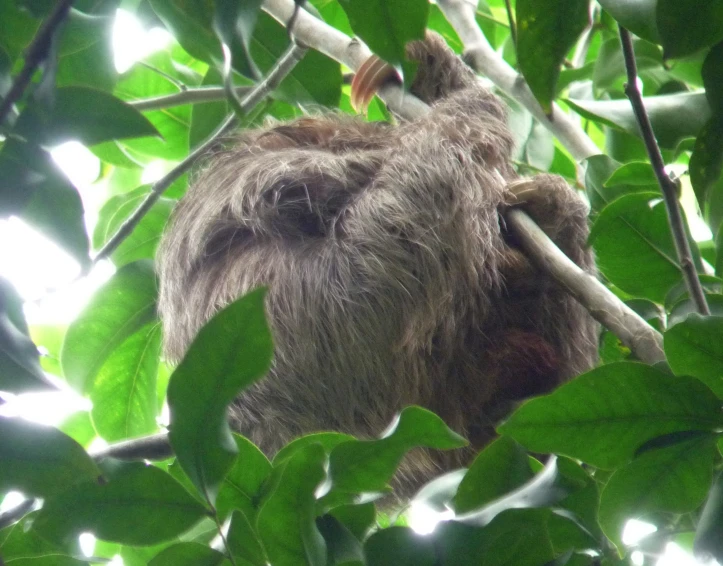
<point x="243" y="542"/>
<point x="86" y="51"/>
<point x="712" y="72"/>
<point x="539" y="58"/>
<point x="386" y="27"/>
<point x="154" y="79"/>
<point x="500" y="468"/>
<point x="20" y="370"/>
<point x="672" y="116"/>
<point x="84" y="114"/>
<point x="118" y="309"/>
<point x="140" y="505"/>
<point x="327" y="439"/>
<point x="634" y="248"/>
<point x="598" y="169"/>
<point x="610" y="72"/>
<point x="241" y="486"/>
<point x="41" y="461"/>
<point x="33" y="187"/>
<point x="187" y="554"/>
<point x="603" y="416"/>
<point x="706" y="162"/>
<point x="694" y="347"/>
<point x="400" y="546"/>
<point x="341" y="545"/>
<point x="286" y="522"/>
<point x="190" y="22"/>
<point x="673" y="479"/>
<point x="205" y="118"/>
<point x="709" y="534"/>
<point x="638" y="16"/>
<point x="357" y="518"/>
<point x="232" y="351"/>
<point x="124" y="391"/>
<point x="143" y="241"/>
<point x="368" y="465"/>
<point x="234" y="23"/>
<point x="635" y="174"/>
<point x="686" y="27"/>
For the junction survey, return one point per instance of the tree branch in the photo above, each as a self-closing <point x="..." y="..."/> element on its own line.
<point x="667" y="186"/>
<point x="35" y="54"/>
<point x="283" y="67"/>
<point x="484" y="59"/>
<point x="188" y="96"/>
<point x="153" y="447"/>
<point x="637" y="334"/>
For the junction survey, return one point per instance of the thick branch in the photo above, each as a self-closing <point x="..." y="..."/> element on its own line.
<point x="153" y="447"/>
<point x="667" y="186"/>
<point x="259" y="92"/>
<point x="35" y="54"/>
<point x="605" y="307"/>
<point x="484" y="59"/>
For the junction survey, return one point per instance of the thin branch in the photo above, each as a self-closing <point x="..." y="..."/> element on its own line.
<point x="188" y="96"/>
<point x="486" y="61"/>
<point x="511" y="19"/>
<point x="153" y="447"/>
<point x="35" y="54"/>
<point x="283" y="67"/>
<point x="667" y="185"/>
<point x="603" y="305"/>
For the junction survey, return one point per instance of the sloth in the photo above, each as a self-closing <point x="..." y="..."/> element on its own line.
<point x="392" y="278"/>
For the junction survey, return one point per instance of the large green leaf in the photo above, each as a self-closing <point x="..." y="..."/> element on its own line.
<point x="243" y="542"/>
<point x="286" y="522"/>
<point x="706" y="162"/>
<point x="232" y="351"/>
<point x="634" y="247"/>
<point x="674" y="479"/>
<point x="673" y="116"/>
<point x="386" y="27"/>
<point x="686" y="27"/>
<point x="83" y="114"/>
<point x="368" y="465"/>
<point x="638" y="17"/>
<point x="143" y="241"/>
<point x="124" y="392"/>
<point x="188" y="554"/>
<point x="500" y="468"/>
<point x="539" y="58"/>
<point x="140" y="505"/>
<point x="605" y="415"/>
<point x="119" y="308"/>
<point x="400" y="546"/>
<point x="694" y="347"/>
<point x="41" y="461"/>
<point x="86" y="51"/>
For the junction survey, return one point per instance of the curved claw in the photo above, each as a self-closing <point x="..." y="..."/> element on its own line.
<point x="370" y="76"/>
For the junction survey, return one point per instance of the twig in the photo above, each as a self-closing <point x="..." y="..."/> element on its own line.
<point x="283" y="67"/>
<point x="667" y="185"/>
<point x="485" y="60"/>
<point x="603" y="305"/>
<point x="153" y="447"/>
<point x="511" y="19"/>
<point x="188" y="96"/>
<point x="35" y="54"/>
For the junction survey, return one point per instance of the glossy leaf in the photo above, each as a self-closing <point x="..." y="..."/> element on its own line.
<point x="686" y="27"/>
<point x="40" y="461"/>
<point x="368" y="465"/>
<point x="118" y="309"/>
<point x="243" y="542"/>
<point x="694" y="347"/>
<point x="638" y="17"/>
<point x="140" y="505"/>
<point x="603" y="416"/>
<point x="143" y="241"/>
<point x="673" y="479"/>
<point x="538" y="59"/>
<point x="188" y="554"/>
<point x="500" y="468"/>
<point x="400" y="546"/>
<point x="673" y="116"/>
<point x="634" y="248"/>
<point x="286" y="522"/>
<point x="124" y="391"/>
<point x="232" y="351"/>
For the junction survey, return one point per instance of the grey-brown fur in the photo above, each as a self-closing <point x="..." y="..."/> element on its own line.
<point x="391" y="279"/>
